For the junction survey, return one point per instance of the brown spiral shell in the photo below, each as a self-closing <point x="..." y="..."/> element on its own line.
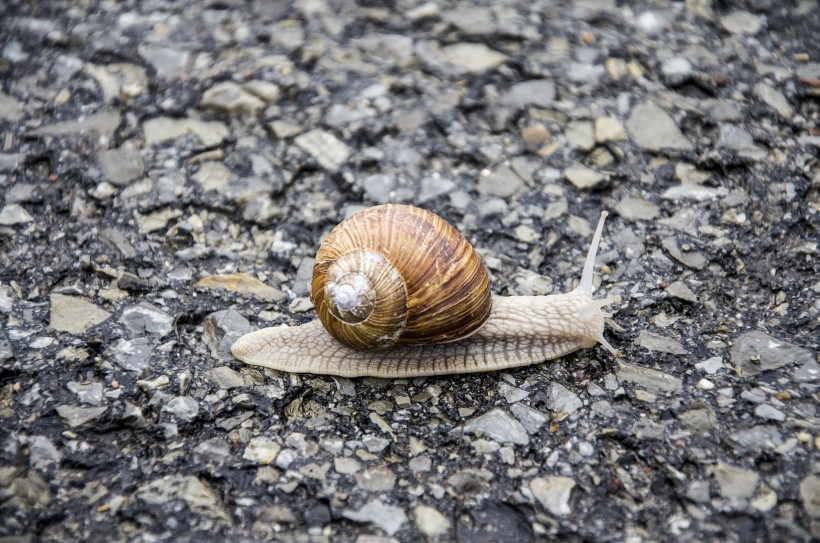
<point x="397" y="274"/>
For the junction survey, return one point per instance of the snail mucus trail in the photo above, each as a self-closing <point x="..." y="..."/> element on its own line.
<point x="439" y="319"/>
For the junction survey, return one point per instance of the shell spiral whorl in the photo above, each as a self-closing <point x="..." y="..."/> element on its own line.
<point x="396" y="274"/>
<point x="365" y="297"/>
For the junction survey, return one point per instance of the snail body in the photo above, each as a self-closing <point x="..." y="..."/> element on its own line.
<point x="486" y="333"/>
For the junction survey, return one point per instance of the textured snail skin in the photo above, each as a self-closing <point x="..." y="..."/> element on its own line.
<point x="520" y="331"/>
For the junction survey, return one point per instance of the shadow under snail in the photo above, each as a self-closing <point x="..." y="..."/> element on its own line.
<point x="400" y="293"/>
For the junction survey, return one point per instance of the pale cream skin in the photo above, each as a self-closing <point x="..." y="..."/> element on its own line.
<point x="520" y="331"/>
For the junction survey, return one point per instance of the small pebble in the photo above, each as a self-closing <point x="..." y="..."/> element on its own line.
<point x="706" y="384"/>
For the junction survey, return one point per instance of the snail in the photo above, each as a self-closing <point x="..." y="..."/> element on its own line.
<point x="400" y="293"/>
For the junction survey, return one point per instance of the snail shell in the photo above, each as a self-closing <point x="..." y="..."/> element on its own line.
<point x="397" y="274"/>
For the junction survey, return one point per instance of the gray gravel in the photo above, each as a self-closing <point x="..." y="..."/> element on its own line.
<point x="168" y="169"/>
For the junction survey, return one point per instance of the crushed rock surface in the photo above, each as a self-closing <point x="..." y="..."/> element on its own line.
<point x="167" y="170"/>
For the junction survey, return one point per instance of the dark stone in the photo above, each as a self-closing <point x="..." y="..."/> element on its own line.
<point x="492" y="522"/>
<point x="132" y="283"/>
